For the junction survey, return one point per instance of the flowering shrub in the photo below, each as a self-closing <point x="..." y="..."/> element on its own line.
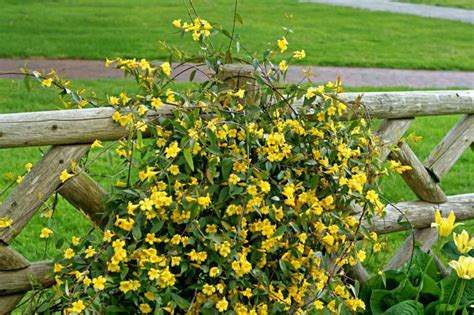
<point x="239" y="202"/>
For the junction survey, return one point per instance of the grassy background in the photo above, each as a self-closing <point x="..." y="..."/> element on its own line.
<point x="69" y="222"/>
<point x="95" y="29"/>
<point x="464" y="4"/>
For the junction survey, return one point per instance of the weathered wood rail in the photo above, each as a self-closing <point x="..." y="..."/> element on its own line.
<point x="70" y="133"/>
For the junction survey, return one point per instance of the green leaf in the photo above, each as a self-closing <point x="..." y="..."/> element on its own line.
<point x="189" y="158"/>
<point x="27" y="82"/>
<point x="182" y="303"/>
<point x="226" y="166"/>
<point x="238" y="17"/>
<point x="409" y="307"/>
<point x="192" y="75"/>
<point x="282" y="229"/>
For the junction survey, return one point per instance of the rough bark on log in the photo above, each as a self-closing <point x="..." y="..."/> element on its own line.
<point x="21" y="281"/>
<point x="426" y="237"/>
<point x="11" y="260"/>
<point x="390" y="132"/>
<point x="420" y="214"/>
<point x="9" y="302"/>
<point x="418" y="178"/>
<point x="87" y="125"/>
<point x="85" y="194"/>
<point x="37" y="187"/>
<point x="450" y="149"/>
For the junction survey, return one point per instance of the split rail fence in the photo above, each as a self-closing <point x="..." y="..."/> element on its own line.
<point x="70" y="133"/>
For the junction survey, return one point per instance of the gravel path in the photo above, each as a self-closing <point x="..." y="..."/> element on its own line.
<point x="355" y="77"/>
<point x="431" y="11"/>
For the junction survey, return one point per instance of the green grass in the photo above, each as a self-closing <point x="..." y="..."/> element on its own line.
<point x="95" y="29"/>
<point x="464" y="4"/>
<point x="69" y="222"/>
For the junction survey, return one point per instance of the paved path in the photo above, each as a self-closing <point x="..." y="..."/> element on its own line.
<point x="431" y="11"/>
<point x="355" y="77"/>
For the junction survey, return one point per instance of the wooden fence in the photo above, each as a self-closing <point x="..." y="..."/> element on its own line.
<point x="70" y="133"/>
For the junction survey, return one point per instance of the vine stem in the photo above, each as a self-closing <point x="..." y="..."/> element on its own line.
<point x="458" y="299"/>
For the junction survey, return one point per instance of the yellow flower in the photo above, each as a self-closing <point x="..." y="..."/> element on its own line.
<point x="153" y="274"/>
<point x="5" y="222"/>
<point x="96" y="144"/>
<point x="224" y="249"/>
<point x="57" y="268"/>
<point x="166" y="68"/>
<point x="299" y="54"/>
<point x="318" y="305"/>
<point x="99" y="283"/>
<point x="28" y="166"/>
<point x="464" y="267"/>
<point x="65" y="176"/>
<point x="150" y="296"/>
<point x="282" y="44"/>
<point x="126" y="286"/>
<point x="46" y="233"/>
<point x="69" y="253"/>
<point x="173" y="150"/>
<point x="90" y="251"/>
<point x="174" y="169"/>
<point x="208" y="289"/>
<point x="204" y="201"/>
<point x="283" y="65"/>
<point x="444" y="225"/>
<point x="222" y="305"/>
<point x="145" y="308"/>
<point x="214" y="272"/>
<point x="47" y="82"/>
<point x="361" y="255"/>
<point x="463" y="243"/>
<point x="177" y="23"/>
<point x="108" y="236"/>
<point x="156" y="103"/>
<point x="113" y="100"/>
<point x="233" y="179"/>
<point x="77" y="307"/>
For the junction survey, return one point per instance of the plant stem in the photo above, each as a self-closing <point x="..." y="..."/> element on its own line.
<point x="424" y="272"/>
<point x="458" y="299"/>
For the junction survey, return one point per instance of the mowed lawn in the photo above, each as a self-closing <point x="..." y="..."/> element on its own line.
<point x="463" y="4"/>
<point x="70" y="222"/>
<point x="95" y="29"/>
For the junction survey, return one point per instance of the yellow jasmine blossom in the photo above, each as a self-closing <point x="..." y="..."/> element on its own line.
<point x="57" y="268"/>
<point x="208" y="289"/>
<point x="463" y="243"/>
<point x="145" y="308"/>
<point x="222" y="305"/>
<point x="47" y="82"/>
<point x="65" y="176"/>
<point x="77" y="307"/>
<point x="177" y="23"/>
<point x="444" y="225"/>
<point x="283" y="65"/>
<point x="282" y="44"/>
<point x="464" y="267"/>
<point x="204" y="201"/>
<point x="173" y="150"/>
<point x="299" y="54"/>
<point x="46" y="233"/>
<point x="99" y="283"/>
<point x="214" y="272"/>
<point x="69" y="253"/>
<point x="174" y="169"/>
<point x="90" y="251"/>
<point x="28" y="166"/>
<point x="97" y="144"/>
<point x="166" y="68"/>
<point x="150" y="296"/>
<point x="5" y="222"/>
<point x="113" y="100"/>
<point x="108" y="236"/>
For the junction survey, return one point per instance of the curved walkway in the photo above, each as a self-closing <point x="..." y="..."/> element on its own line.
<point x="425" y="10"/>
<point x="354" y="77"/>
